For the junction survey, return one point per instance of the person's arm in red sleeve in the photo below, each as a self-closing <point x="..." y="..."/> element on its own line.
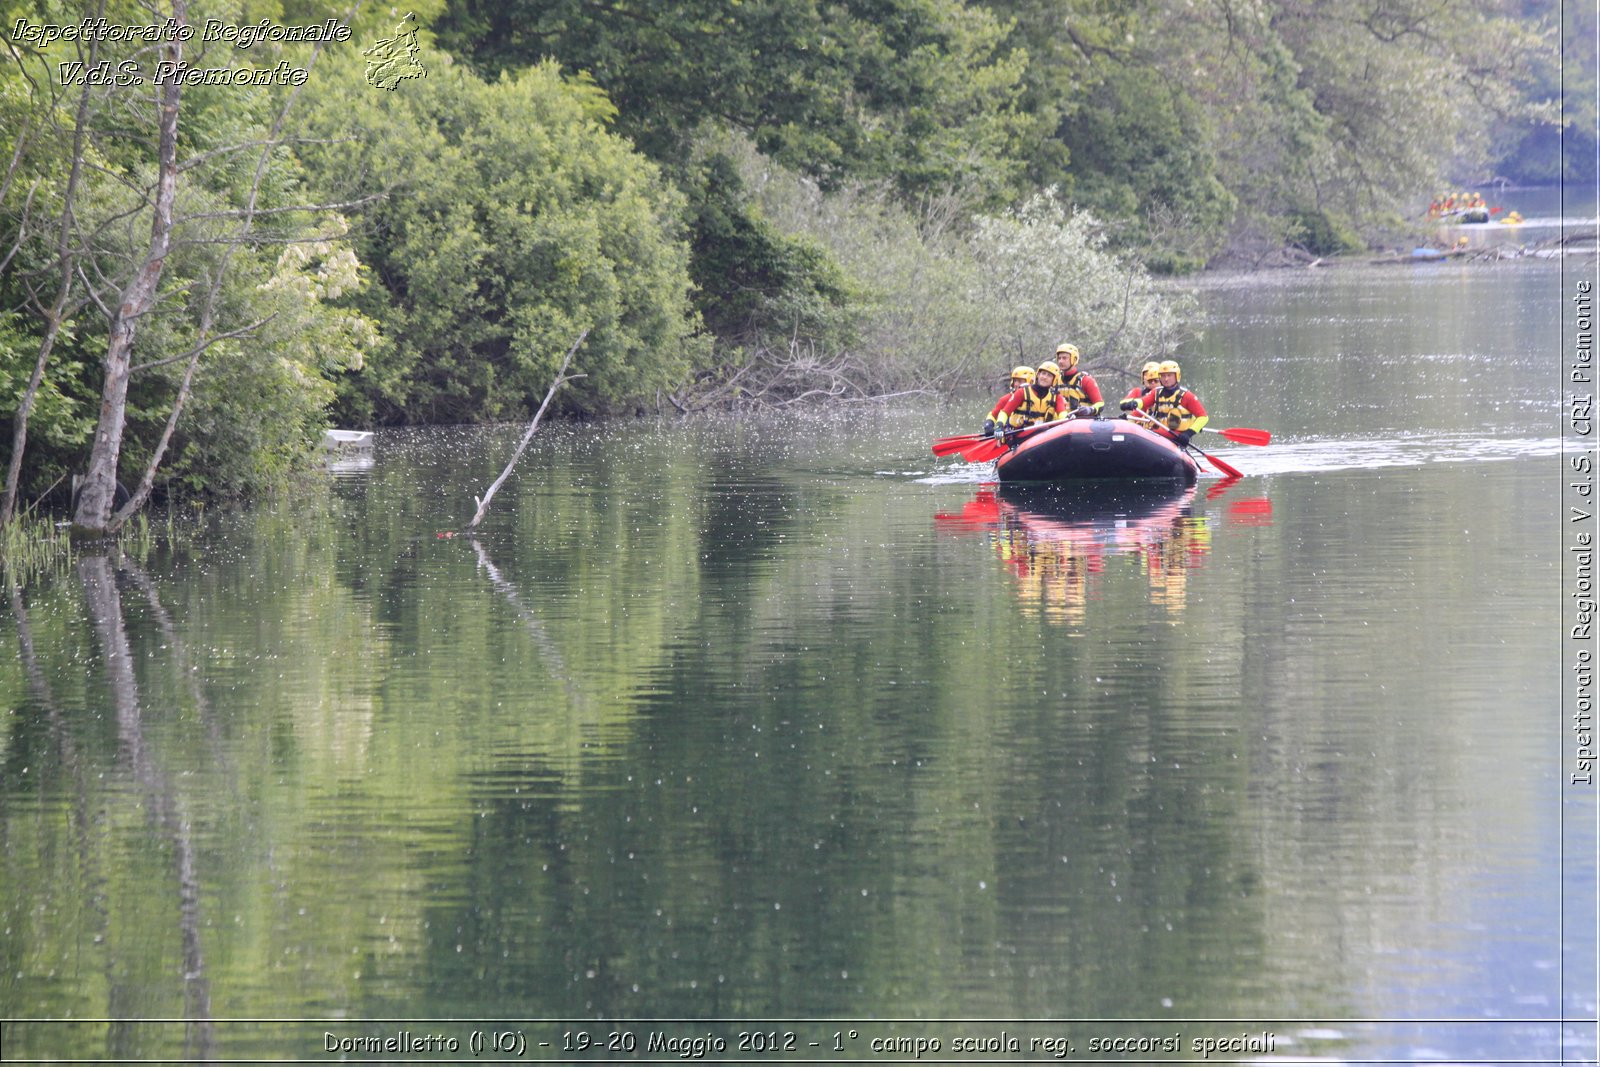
<point x="1091" y="390"/>
<point x="1192" y="404"/>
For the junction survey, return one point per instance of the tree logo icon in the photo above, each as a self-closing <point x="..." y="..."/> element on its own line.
<point x="394" y="59"/>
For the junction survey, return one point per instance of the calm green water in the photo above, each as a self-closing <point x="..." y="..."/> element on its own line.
<point x="784" y="719"/>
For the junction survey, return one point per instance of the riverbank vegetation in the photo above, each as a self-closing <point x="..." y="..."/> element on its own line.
<point x="744" y="204"/>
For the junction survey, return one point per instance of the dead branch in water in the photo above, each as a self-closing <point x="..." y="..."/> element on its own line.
<point x="562" y="377"/>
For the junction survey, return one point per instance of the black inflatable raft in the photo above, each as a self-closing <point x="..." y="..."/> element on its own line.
<point x="1095" y="448"/>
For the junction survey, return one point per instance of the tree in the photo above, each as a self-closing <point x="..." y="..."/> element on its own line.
<point x="1351" y="108"/>
<point x="135" y="299"/>
<point x="36" y="123"/>
<point x="1548" y="148"/>
<point x="919" y="92"/>
<point x="513" y="220"/>
<point x="202" y="172"/>
<point x="1302" y="112"/>
<point x="1142" y="154"/>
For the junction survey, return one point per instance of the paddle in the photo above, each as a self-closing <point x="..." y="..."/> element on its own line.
<point x="977" y="448"/>
<point x="996" y="447"/>
<point x="967" y="444"/>
<point x="945" y="446"/>
<point x="1231" y="472"/>
<point x="962" y="442"/>
<point x="1243" y="435"/>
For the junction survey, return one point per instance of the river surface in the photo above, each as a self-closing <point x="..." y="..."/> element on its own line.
<point x="783" y="727"/>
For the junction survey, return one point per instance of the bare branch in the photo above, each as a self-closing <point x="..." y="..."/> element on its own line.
<point x="247" y="213"/>
<point x="561" y="379"/>
<point x="22" y="224"/>
<point x="89" y="289"/>
<point x="205" y="157"/>
<point x="203" y="345"/>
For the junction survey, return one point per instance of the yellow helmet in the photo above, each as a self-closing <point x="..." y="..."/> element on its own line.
<point x="1170" y="365"/>
<point x="1048" y="365"/>
<point x="1070" y="351"/>
<point x="1022" y="375"/>
<point x="1150" y="372"/>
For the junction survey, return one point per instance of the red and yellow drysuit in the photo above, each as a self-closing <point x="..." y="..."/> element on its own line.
<point x="1030" y="404"/>
<point x="1177" y="410"/>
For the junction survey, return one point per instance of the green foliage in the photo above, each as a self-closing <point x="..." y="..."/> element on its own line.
<point x="1165" y="115"/>
<point x="1142" y="150"/>
<point x="62" y="419"/>
<point x="917" y="92"/>
<point x="939" y="306"/>
<point x="512" y="220"/>
<point x="32" y="548"/>
<point x="1367" y="106"/>
<point x="751" y="278"/>
<point x="1052" y="279"/>
<point x="1321" y="234"/>
<point x="1556" y="146"/>
<point x="260" y="399"/>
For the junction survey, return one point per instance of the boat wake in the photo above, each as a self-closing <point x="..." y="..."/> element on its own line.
<point x="1295" y="457"/>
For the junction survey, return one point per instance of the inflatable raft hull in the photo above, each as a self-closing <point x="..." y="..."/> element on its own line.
<point x="1084" y="449"/>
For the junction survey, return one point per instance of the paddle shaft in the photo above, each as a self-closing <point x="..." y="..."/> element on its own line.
<point x="1230" y="471"/>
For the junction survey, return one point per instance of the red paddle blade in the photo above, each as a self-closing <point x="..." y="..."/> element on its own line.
<point x="1228" y="471"/>
<point x="1244" y="435"/>
<point x="952" y="445"/>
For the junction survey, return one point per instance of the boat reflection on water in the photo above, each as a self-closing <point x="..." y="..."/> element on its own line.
<point x="1057" y="541"/>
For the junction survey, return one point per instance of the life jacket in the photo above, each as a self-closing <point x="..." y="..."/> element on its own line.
<point x="1034" y="408"/>
<point x="1072" y="388"/>
<point x="1167" y="408"/>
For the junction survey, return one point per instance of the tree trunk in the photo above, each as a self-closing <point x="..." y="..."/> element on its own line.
<point x="147" y="481"/>
<point x="93" y="516"/>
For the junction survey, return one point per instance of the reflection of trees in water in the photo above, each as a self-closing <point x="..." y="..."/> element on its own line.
<point x="165" y="808"/>
<point x="72" y="762"/>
